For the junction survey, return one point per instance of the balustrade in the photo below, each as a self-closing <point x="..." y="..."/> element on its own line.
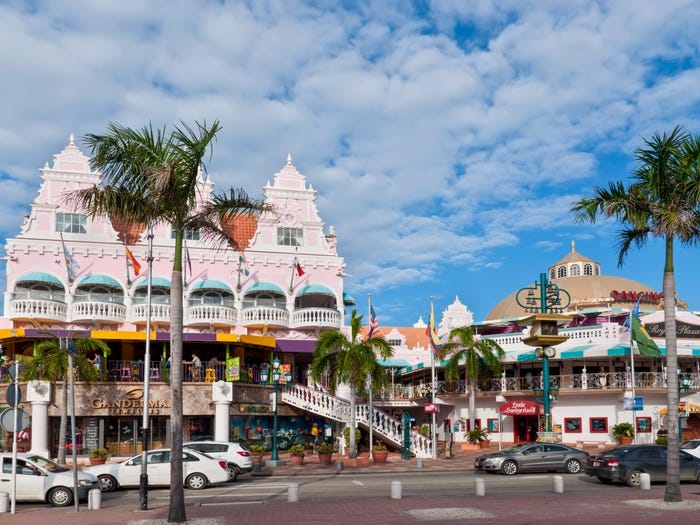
<point x="101" y="311"/>
<point x="265" y="315"/>
<point x="210" y="313"/>
<point x="38" y="309"/>
<point x="324" y="317"/>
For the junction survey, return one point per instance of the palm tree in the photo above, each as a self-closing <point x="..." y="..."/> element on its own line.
<point x="50" y="363"/>
<point x="350" y="361"/>
<point x="661" y="201"/>
<point x="150" y="176"/>
<point x="480" y="357"/>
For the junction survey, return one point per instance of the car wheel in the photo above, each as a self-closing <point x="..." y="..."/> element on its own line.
<point x="232" y="470"/>
<point x="60" y="496"/>
<point x="604" y="481"/>
<point x="633" y="478"/>
<point x="107" y="483"/>
<point x="573" y="466"/>
<point x="509" y="467"/>
<point x="196" y="481"/>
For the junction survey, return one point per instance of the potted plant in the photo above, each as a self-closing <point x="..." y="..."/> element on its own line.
<point x="98" y="456"/>
<point x="478" y="436"/>
<point x="379" y="453"/>
<point x="624" y="433"/>
<point x="296" y="454"/>
<point x="257" y="450"/>
<point x="325" y="453"/>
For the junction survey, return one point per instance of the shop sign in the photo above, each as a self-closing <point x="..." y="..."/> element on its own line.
<point x="130" y="404"/>
<point x="520" y="408"/>
<point x="431" y="408"/>
<point x="684" y="330"/>
<point x="254" y="409"/>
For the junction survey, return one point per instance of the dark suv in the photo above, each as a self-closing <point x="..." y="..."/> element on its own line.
<point x="626" y="463"/>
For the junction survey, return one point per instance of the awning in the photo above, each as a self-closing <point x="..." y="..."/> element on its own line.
<point x="104" y="280"/>
<point x="315" y="289"/>
<point x="393" y="363"/>
<point x="161" y="282"/>
<point x="348" y="299"/>
<point x="520" y="408"/>
<point x="40" y="277"/>
<point x="263" y="286"/>
<point x="692" y="408"/>
<point x="296" y="347"/>
<point x="211" y="284"/>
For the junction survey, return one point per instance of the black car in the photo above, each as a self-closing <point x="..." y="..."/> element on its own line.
<point x="626" y="463"/>
<point x="533" y="457"/>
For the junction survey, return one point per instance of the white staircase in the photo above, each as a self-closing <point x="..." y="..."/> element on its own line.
<point x="337" y="409"/>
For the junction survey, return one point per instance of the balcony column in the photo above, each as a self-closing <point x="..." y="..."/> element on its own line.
<point x="222" y="397"/>
<point x="39" y="395"/>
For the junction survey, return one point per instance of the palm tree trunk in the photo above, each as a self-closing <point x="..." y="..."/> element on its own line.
<point x="472" y="405"/>
<point x="63" y="426"/>
<point x="673" y="483"/>
<point x="176" y="512"/>
<point x="353" y="424"/>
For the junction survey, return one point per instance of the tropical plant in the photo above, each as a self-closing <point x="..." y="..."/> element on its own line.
<point x="351" y="361"/>
<point x="256" y="449"/>
<point x="151" y="176"/>
<point x="297" y="450"/>
<point x="662" y="201"/>
<point x="379" y="446"/>
<point x="424" y="430"/>
<point x="51" y="363"/>
<point x="324" y="448"/>
<point x="623" y="430"/>
<point x="480" y="357"/>
<point x="99" y="453"/>
<point x="477" y="434"/>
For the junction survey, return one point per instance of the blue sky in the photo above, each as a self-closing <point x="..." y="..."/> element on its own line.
<point x="446" y="140"/>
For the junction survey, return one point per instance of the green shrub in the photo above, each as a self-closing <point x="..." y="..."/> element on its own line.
<point x="296" y="450"/>
<point x="99" y="453"/>
<point x="324" y="448"/>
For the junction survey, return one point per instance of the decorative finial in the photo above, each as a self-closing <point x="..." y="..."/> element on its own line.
<point x="289" y="158"/>
<point x="572" y="246"/>
<point x="71" y="140"/>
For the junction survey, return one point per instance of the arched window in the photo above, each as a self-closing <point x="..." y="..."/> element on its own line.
<point x="587" y="269"/>
<point x="575" y="269"/>
<point x="561" y="272"/>
<point x="552" y="274"/>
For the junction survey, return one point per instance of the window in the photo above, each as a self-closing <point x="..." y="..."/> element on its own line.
<point x="587" y="269"/>
<point x="189" y="235"/>
<point x="572" y="424"/>
<point x="561" y="272"/>
<point x="493" y="425"/>
<point x="290" y="236"/>
<point x="575" y="269"/>
<point x="71" y="223"/>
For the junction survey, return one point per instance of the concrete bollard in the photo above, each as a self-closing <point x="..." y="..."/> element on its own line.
<point x="339" y="465"/>
<point x="395" y="490"/>
<point x="558" y="484"/>
<point x="4" y="502"/>
<point x="419" y="463"/>
<point x="95" y="499"/>
<point x="479" y="487"/>
<point x="293" y="493"/>
<point x="644" y="481"/>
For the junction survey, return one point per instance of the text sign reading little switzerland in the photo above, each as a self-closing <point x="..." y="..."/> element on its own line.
<point x="520" y="408"/>
<point x="431" y="408"/>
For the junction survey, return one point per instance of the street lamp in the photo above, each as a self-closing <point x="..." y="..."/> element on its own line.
<point x="275" y="460"/>
<point x="547" y="301"/>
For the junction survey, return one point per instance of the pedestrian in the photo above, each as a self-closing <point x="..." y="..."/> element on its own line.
<point x="196" y="367"/>
<point x="662" y="432"/>
<point x="327" y="433"/>
<point x="315" y="431"/>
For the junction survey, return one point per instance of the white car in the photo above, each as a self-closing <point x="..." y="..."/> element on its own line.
<point x="692" y="447"/>
<point x="40" y="479"/>
<point x="198" y="470"/>
<point x="238" y="459"/>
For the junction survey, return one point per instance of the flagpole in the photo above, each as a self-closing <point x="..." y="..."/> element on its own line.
<point x="294" y="268"/>
<point x="432" y="377"/>
<point x="369" y="379"/>
<point x="126" y="262"/>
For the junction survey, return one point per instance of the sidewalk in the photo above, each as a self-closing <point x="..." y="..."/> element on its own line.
<point x="617" y="504"/>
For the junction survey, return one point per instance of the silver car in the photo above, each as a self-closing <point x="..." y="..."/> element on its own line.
<point x="533" y="457"/>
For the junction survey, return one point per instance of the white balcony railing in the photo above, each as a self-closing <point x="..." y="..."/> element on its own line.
<point x="313" y="317"/>
<point x="264" y="315"/>
<point x="210" y="314"/>
<point x="160" y="313"/>
<point x="38" y="309"/>
<point x="98" y="311"/>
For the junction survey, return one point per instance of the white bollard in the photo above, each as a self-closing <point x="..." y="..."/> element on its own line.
<point x="4" y="502"/>
<point x="479" y="487"/>
<point x="558" y="484"/>
<point x="293" y="493"/>
<point x="644" y="481"/>
<point x="395" y="490"/>
<point x="419" y="463"/>
<point x="95" y="499"/>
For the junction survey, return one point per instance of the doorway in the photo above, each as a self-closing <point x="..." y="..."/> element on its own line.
<point x="525" y="428"/>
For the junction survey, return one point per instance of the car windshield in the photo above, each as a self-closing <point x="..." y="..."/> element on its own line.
<point x="690" y="444"/>
<point x="47" y="464"/>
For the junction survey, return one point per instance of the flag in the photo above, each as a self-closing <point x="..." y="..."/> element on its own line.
<point x="432" y="333"/>
<point x="244" y="264"/>
<point x="132" y="260"/>
<point x="189" y="261"/>
<point x="71" y="266"/>
<point x="373" y="323"/>
<point x="299" y="269"/>
<point x="647" y="347"/>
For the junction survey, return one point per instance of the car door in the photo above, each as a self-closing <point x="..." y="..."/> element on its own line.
<point x="130" y="473"/>
<point x="554" y="456"/>
<point x="688" y="467"/>
<point x="654" y="462"/>
<point x="30" y="480"/>
<point x="533" y="457"/>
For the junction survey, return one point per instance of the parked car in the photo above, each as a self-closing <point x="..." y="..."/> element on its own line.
<point x="692" y="447"/>
<point x="40" y="479"/>
<point x="199" y="470"/>
<point x="238" y="459"/>
<point x="626" y="464"/>
<point x="533" y="457"/>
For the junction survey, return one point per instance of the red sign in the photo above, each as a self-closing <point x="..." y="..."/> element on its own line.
<point x="520" y="408"/>
<point x="431" y="408"/>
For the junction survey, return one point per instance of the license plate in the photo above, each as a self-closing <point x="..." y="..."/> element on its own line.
<point x="596" y="463"/>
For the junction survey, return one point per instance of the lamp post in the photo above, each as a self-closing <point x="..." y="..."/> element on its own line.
<point x="683" y="381"/>
<point x="547" y="301"/>
<point x="274" y="460"/>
